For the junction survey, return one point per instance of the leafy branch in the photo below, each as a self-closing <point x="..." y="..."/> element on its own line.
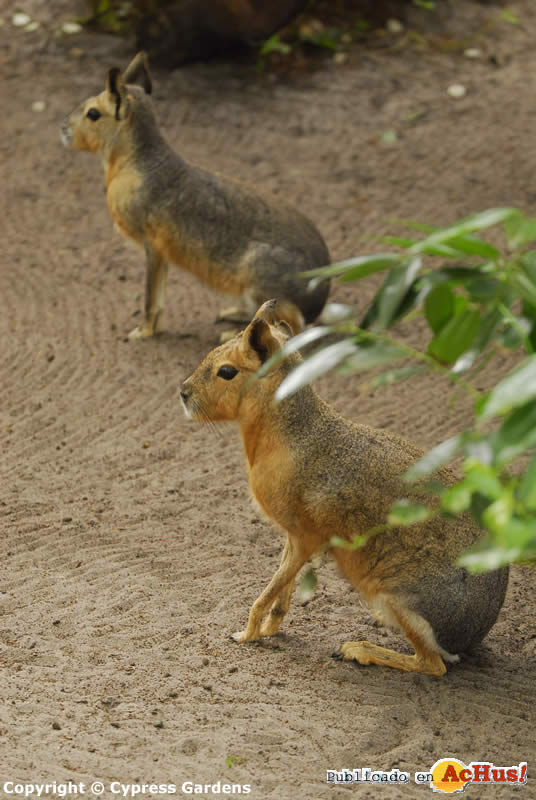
<point x="480" y="299"/>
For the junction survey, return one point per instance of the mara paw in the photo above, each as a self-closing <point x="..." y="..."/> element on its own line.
<point x="244" y="636"/>
<point x="141" y="333"/>
<point x="355" y="651"/>
<point x="239" y="636"/>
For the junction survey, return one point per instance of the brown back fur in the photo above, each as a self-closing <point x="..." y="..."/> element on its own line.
<point x="318" y="475"/>
<point x="225" y="233"/>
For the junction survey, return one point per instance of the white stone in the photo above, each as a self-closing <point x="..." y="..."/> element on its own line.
<point x="71" y="28"/>
<point x="20" y="20"/>
<point x="456" y="90"/>
<point x="472" y="52"/>
<point x="38" y="106"/>
<point x="394" y="26"/>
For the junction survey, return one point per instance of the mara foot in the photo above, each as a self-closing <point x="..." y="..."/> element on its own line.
<point x="427" y="662"/>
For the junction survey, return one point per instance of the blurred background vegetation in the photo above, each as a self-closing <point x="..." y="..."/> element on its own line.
<point x="175" y="31"/>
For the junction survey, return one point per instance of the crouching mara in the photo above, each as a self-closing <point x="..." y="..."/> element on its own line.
<point x="317" y="475"/>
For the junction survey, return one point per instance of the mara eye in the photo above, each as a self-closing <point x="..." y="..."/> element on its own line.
<point x="227" y="372"/>
<point x="93" y="114"/>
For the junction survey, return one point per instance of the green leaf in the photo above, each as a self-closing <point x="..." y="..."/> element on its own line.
<point x="410" y="299"/>
<point x="520" y="230"/>
<point x="417" y="226"/>
<point x="471" y="245"/>
<point x="515" y="332"/>
<point x="479" y="450"/>
<point x="355" y="268"/>
<point x="488" y="326"/>
<point x="509" y="16"/>
<point x="457" y="498"/>
<point x="460" y="274"/>
<point x="488" y="555"/>
<point x="435" y="458"/>
<point x="439" y="306"/>
<point x="394" y="376"/>
<point x="398" y="241"/>
<point x="483" y="289"/>
<point x="479" y="503"/>
<point x="433" y="250"/>
<point x="441" y="250"/>
<point x="357" y="542"/>
<point x="517" y="388"/>
<point x="325" y="37"/>
<point x="522" y="286"/>
<point x="302" y="339"/>
<point x="369" y="356"/>
<point x="527" y="486"/>
<point x="274" y="45"/>
<point x="528" y="262"/>
<point x="307" y="586"/>
<point x="405" y="513"/>
<point x="516" y="435"/>
<point x="455" y="337"/>
<point x="476" y="222"/>
<point x="516" y="542"/>
<point x="483" y="478"/>
<point x="389" y="137"/>
<point x="394" y="290"/>
<point x="497" y="515"/>
<point x="337" y="312"/>
<point x="313" y="367"/>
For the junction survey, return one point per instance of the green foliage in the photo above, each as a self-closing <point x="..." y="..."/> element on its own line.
<point x="509" y="16"/>
<point x="307" y="586"/>
<point x="273" y="44"/>
<point x="481" y="299"/>
<point x="111" y="15"/>
<point x="230" y="761"/>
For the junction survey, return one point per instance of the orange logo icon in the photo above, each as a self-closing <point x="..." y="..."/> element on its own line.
<point x="450" y="775"/>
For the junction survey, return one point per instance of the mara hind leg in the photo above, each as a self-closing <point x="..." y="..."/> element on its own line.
<point x="427" y="659"/>
<point x="238" y="315"/>
<point x="289" y="312"/>
<point x="277" y="594"/>
<point x="242" y="313"/>
<point x="155" y="294"/>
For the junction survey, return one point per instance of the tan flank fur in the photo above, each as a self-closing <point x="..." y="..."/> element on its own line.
<point x="318" y="475"/>
<point x="225" y="233"/>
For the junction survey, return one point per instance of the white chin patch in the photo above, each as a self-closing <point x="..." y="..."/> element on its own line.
<point x="187" y="412"/>
<point x="66" y="137"/>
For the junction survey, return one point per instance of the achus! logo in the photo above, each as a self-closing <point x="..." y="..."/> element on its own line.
<point x="450" y="775"/>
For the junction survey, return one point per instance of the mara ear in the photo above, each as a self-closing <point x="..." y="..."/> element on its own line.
<point x="117" y="93"/>
<point x="258" y="337"/>
<point x="285" y="327"/>
<point x="138" y="72"/>
<point x="267" y="312"/>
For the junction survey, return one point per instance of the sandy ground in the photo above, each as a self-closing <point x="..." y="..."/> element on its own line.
<point x="129" y="547"/>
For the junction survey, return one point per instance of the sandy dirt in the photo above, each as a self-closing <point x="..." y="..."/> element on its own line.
<point x="129" y="548"/>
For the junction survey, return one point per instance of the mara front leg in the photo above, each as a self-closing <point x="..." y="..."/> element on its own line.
<point x="277" y="594"/>
<point x="155" y="294"/>
<point x="281" y="604"/>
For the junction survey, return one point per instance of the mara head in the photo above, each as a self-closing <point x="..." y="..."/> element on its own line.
<point x="224" y="386"/>
<point x="96" y="123"/>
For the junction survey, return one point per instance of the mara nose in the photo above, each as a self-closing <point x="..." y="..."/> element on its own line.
<point x="185" y="393"/>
